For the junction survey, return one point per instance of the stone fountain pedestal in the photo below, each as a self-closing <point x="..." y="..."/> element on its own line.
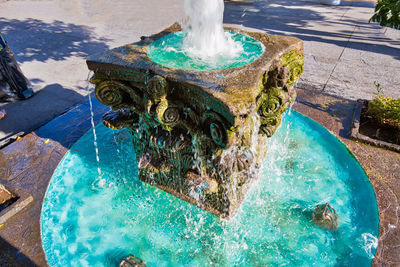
<point x="199" y="135"/>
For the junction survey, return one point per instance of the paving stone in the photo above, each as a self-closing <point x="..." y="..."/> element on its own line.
<point x="351" y="79"/>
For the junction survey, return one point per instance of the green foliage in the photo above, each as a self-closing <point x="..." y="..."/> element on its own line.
<point x="387" y="13"/>
<point x="384" y="109"/>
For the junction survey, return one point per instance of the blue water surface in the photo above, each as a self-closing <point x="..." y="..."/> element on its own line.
<point x="89" y="220"/>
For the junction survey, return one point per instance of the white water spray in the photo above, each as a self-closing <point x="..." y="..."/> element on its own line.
<point x="205" y="36"/>
<point x="370" y="244"/>
<point x="88" y="88"/>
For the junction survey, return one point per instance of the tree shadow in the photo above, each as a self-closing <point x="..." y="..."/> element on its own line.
<point x="365" y="4"/>
<point x="11" y="256"/>
<point x="314" y="22"/>
<point x="33" y="39"/>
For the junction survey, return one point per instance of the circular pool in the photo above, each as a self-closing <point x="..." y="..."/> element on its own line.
<point x="89" y="220"/>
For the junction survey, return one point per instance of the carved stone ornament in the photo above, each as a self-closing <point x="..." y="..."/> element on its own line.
<point x="199" y="135"/>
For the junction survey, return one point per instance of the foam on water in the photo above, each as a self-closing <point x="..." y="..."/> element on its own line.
<point x="171" y="51"/>
<point x="305" y="166"/>
<point x="203" y="44"/>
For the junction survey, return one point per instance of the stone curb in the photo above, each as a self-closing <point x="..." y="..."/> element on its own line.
<point x="24" y="199"/>
<point x="356" y="135"/>
<point x="12" y="138"/>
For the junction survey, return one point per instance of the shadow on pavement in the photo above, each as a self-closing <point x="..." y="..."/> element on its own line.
<point x="340" y="109"/>
<point x="44" y="106"/>
<point x="69" y="127"/>
<point x="314" y="22"/>
<point x="33" y="39"/>
<point x="10" y="256"/>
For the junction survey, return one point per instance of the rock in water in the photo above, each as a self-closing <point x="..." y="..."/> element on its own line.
<point x="325" y="217"/>
<point x="132" y="261"/>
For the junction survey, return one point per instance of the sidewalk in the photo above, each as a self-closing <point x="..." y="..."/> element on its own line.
<point x="344" y="53"/>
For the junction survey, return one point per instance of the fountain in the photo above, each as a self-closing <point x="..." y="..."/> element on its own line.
<point x="189" y="126"/>
<point x="199" y="128"/>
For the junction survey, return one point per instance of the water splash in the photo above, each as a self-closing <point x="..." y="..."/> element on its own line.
<point x="169" y="51"/>
<point x="237" y="150"/>
<point x="370" y="244"/>
<point x="205" y="37"/>
<point x="89" y="88"/>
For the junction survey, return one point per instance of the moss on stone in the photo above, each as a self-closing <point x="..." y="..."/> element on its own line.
<point x="295" y="62"/>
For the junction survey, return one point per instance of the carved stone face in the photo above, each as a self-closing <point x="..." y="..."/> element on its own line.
<point x="272" y="103"/>
<point x="157" y="88"/>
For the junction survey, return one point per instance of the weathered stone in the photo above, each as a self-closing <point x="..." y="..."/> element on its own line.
<point x="121" y="118"/>
<point x="199" y="135"/>
<point x="132" y="261"/>
<point x="325" y="217"/>
<point x="6" y="197"/>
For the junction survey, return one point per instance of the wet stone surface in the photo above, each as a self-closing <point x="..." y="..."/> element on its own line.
<point x="6" y="198"/>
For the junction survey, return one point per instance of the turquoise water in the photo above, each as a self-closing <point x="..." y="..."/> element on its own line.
<point x="92" y="221"/>
<point x="168" y="51"/>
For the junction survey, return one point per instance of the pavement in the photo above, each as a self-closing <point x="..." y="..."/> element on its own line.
<point x="345" y="54"/>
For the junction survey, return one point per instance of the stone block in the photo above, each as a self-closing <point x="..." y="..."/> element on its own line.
<point x="199" y="135"/>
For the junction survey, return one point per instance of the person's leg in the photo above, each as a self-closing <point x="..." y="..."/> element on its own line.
<point x="6" y="92"/>
<point x="18" y="83"/>
<point x="3" y="113"/>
